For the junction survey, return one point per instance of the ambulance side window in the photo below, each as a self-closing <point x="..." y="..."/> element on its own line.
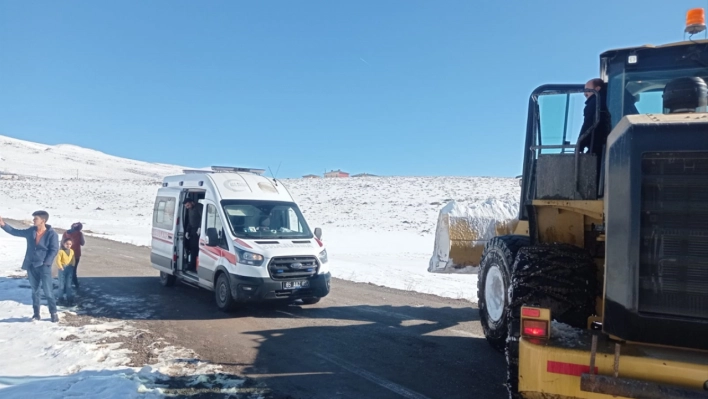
<point x="214" y="226"/>
<point x="164" y="213"/>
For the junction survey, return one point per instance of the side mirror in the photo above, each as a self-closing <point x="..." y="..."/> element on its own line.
<point x="318" y="233"/>
<point x="212" y="237"/>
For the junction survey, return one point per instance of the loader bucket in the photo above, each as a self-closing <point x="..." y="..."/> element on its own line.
<point x="462" y="232"/>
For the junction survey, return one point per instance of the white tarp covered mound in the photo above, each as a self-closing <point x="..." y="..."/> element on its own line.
<point x="463" y="230"/>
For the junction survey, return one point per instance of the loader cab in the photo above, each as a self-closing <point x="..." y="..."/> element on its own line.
<point x="553" y="168"/>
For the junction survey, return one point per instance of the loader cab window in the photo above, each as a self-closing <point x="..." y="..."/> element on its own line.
<point x="556" y="115"/>
<point x="641" y="92"/>
<point x="559" y="122"/>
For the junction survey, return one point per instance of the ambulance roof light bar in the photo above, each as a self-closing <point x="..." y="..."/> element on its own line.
<point x="224" y="169"/>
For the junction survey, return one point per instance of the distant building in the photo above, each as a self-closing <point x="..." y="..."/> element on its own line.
<point x="311" y="177"/>
<point x="8" y="176"/>
<point x="364" y="175"/>
<point x="336" y="173"/>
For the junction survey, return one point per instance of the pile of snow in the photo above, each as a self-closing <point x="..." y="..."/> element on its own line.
<point x="567" y="335"/>
<point x="464" y="229"/>
<point x="378" y="230"/>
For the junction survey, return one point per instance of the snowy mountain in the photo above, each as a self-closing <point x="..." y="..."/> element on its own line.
<point x="66" y="161"/>
<point x="378" y="229"/>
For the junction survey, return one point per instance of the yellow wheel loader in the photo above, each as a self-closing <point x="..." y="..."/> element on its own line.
<point x="602" y="289"/>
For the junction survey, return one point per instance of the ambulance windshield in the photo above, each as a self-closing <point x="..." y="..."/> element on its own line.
<point x="265" y="219"/>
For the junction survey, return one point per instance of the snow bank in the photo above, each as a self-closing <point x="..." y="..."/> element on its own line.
<point x="464" y="229"/>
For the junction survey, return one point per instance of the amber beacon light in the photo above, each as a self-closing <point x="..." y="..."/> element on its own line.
<point x="695" y="21"/>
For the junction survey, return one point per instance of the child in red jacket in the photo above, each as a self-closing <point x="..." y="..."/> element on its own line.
<point x="77" y="240"/>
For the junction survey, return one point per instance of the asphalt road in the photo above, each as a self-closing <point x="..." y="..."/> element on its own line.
<point x="361" y="341"/>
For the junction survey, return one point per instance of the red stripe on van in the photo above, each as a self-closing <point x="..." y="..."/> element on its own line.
<point x="231" y="258"/>
<point x="162" y="240"/>
<point x="242" y="243"/>
<point x="216" y="253"/>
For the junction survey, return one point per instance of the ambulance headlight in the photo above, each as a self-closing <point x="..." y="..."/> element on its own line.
<point x="323" y="256"/>
<point x="250" y="258"/>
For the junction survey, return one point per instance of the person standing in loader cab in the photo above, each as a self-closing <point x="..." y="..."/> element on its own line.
<point x="193" y="231"/>
<point x="604" y="124"/>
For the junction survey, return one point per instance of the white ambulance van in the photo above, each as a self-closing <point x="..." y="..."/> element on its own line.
<point x="254" y="243"/>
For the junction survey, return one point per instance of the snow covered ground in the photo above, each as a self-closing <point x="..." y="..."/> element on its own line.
<point x="378" y="230"/>
<point x="41" y="359"/>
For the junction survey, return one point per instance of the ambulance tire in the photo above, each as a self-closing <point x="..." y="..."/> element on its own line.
<point x="167" y="280"/>
<point x="310" y="301"/>
<point x="222" y="294"/>
<point x="495" y="266"/>
<point x="559" y="277"/>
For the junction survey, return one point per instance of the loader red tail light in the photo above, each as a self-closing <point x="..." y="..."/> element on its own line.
<point x="534" y="328"/>
<point x="530" y="312"/>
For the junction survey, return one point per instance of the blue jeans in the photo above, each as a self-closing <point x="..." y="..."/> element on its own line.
<point x="40" y="278"/>
<point x="66" y="277"/>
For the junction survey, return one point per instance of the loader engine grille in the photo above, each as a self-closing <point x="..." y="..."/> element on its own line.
<point x="673" y="270"/>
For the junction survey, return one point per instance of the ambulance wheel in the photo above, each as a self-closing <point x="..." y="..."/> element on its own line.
<point x="559" y="277"/>
<point x="167" y="280"/>
<point x="493" y="285"/>
<point x="224" y="300"/>
<point x="310" y="301"/>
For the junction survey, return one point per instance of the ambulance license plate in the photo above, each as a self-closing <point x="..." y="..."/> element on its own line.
<point x="294" y="285"/>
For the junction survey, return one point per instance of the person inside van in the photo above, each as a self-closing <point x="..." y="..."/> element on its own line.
<point x="264" y="225"/>
<point x="192" y="231"/>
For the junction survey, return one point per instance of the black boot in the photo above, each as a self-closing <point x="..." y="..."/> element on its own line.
<point x="36" y="314"/>
<point x="55" y="318"/>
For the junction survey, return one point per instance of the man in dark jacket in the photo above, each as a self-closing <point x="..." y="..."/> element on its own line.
<point x="42" y="249"/>
<point x="604" y="124"/>
<point x="193" y="231"/>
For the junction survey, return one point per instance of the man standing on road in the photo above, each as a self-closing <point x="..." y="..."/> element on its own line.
<point x="42" y="248"/>
<point x="192" y="231"/>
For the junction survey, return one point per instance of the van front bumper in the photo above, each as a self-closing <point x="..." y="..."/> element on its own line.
<point x="257" y="289"/>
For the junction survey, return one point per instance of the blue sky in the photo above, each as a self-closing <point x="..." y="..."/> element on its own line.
<point x="384" y="87"/>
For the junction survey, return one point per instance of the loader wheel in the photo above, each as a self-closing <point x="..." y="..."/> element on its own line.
<point x="559" y="277"/>
<point x="493" y="284"/>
